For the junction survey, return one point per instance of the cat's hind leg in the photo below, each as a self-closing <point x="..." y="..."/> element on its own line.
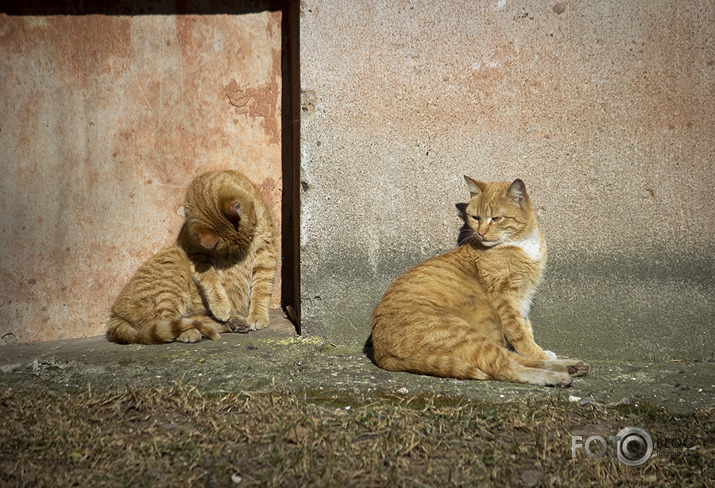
<point x="467" y="354"/>
<point x="504" y="365"/>
<point x="433" y="365"/>
<point x="121" y="331"/>
<point x="187" y="329"/>
<point x="573" y="367"/>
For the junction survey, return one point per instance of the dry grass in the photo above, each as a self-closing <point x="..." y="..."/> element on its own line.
<point x="181" y="437"/>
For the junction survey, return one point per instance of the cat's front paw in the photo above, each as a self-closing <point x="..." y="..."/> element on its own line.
<point x="221" y="313"/>
<point x="255" y="322"/>
<point x="537" y="354"/>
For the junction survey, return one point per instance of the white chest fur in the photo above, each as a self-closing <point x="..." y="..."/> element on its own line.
<point x="531" y="245"/>
<point x="526" y="303"/>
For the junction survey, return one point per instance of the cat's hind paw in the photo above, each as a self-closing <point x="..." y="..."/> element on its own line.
<point x="190" y="335"/>
<point x="238" y="325"/>
<point x="578" y="368"/>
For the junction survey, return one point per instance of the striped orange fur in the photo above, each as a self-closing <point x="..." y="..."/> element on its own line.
<point x="217" y="277"/>
<point x="464" y="314"/>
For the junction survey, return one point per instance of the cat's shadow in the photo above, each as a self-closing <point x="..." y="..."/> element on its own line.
<point x="465" y="234"/>
<point x="368" y="350"/>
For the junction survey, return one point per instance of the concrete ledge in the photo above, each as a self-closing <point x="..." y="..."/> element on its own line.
<point x="272" y="358"/>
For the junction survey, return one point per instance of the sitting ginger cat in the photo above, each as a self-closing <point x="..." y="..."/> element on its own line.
<point x="464" y="314"/>
<point x="217" y="277"/>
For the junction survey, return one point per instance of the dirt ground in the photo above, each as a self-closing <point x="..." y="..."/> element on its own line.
<point x="273" y="409"/>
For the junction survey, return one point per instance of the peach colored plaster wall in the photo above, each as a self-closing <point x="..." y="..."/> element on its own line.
<point x="105" y="120"/>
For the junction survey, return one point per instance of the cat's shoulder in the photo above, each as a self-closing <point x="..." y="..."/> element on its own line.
<point x="172" y="254"/>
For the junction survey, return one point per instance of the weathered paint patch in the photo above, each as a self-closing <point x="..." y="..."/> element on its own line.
<point x="106" y="119"/>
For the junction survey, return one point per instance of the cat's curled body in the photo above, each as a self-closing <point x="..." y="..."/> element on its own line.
<point x="464" y="314"/>
<point x="217" y="277"/>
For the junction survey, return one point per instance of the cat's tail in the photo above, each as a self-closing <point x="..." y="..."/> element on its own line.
<point x="121" y="331"/>
<point x="442" y="366"/>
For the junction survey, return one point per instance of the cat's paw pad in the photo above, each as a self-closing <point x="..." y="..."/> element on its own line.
<point x="238" y="324"/>
<point x="256" y="322"/>
<point x="190" y="335"/>
<point x="578" y="368"/>
<point x="549" y="356"/>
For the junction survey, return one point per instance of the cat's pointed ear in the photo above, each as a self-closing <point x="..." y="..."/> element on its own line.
<point x="475" y="187"/>
<point x="207" y="238"/>
<point x="232" y="211"/>
<point x="517" y="191"/>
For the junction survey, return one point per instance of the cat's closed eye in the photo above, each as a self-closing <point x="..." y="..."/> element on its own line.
<point x="476" y="217"/>
<point x="497" y="218"/>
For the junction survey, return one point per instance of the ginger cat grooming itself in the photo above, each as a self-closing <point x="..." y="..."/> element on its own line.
<point x="464" y="314"/>
<point x="217" y="277"/>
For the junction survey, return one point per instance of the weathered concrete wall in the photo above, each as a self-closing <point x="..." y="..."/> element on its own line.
<point x="105" y="121"/>
<point x="604" y="108"/>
